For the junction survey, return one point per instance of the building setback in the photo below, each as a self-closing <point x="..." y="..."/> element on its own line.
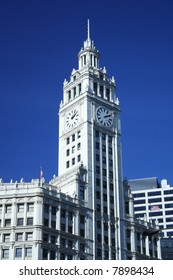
<point x="86" y="212"/>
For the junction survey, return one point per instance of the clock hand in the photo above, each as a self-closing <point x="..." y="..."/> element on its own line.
<point x="73" y="115"/>
<point x="107" y="116"/>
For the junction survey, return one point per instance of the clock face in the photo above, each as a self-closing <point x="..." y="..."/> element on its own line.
<point x="104" y="116"/>
<point x="72" y="118"/>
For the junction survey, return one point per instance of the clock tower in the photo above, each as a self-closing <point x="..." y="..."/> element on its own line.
<point x="90" y="136"/>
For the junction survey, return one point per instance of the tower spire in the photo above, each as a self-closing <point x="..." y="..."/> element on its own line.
<point x="88" y="30"/>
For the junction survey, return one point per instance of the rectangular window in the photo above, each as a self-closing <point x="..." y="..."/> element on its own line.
<point x="30" y="221"/>
<point x="46" y="222"/>
<point x="62" y="213"/>
<point x="97" y="145"/>
<point x="108" y="94"/>
<point x="73" y="149"/>
<point x="98" y="207"/>
<point x="97" y="133"/>
<point x="110" y="151"/>
<point x="73" y="161"/>
<point x="82" y="232"/>
<point x="69" y="95"/>
<point x="74" y="92"/>
<point x="82" y="193"/>
<point x="79" y="146"/>
<point x="103" y="148"/>
<point x="70" y="244"/>
<point x="97" y="157"/>
<point x="7" y="237"/>
<point x="29" y="236"/>
<point x="53" y="224"/>
<point x="19" y="236"/>
<point x="20" y="208"/>
<point x="82" y="219"/>
<point x="62" y="226"/>
<point x="141" y="201"/>
<point x="8" y="209"/>
<point x="104" y="184"/>
<point x="46" y="208"/>
<point x="111" y="187"/>
<point x="73" y="137"/>
<point x="30" y="207"/>
<point x="62" y="256"/>
<point x="28" y="252"/>
<point x="82" y="247"/>
<point x="67" y="152"/>
<point x="68" y="141"/>
<point x="97" y="169"/>
<point x="62" y="242"/>
<point x="111" y="174"/>
<point x="18" y="252"/>
<point x="97" y="182"/>
<point x="105" y="210"/>
<point x="79" y="134"/>
<point x="68" y="164"/>
<point x="53" y="210"/>
<point x="79" y="88"/>
<point x="103" y="136"/>
<point x="45" y="253"/>
<point x="20" y="221"/>
<point x="95" y="88"/>
<point x="101" y="91"/>
<point x="70" y="229"/>
<point x="154" y="193"/>
<point x="8" y="222"/>
<point x="53" y="239"/>
<point x="5" y="253"/>
<point x="105" y="197"/>
<point x="79" y="158"/>
<point x="98" y="224"/>
<point x="98" y="195"/>
<point x="104" y="160"/>
<point x="104" y="172"/>
<point x="169" y="198"/>
<point x="111" y="199"/>
<point x="45" y="237"/>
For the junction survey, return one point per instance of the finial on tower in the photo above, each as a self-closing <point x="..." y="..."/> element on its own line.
<point x="88" y="29"/>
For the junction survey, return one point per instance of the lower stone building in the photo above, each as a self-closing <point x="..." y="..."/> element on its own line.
<point x="40" y="222"/>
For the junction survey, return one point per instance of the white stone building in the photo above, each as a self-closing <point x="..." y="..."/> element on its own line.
<point x="86" y="212"/>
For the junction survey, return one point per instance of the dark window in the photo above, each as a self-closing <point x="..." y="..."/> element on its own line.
<point x="46" y="208"/>
<point x="82" y="219"/>
<point x="52" y="255"/>
<point x="139" y="194"/>
<point x="20" y="221"/>
<point x="18" y="252"/>
<point x="68" y="140"/>
<point x="141" y="201"/>
<point x="108" y="94"/>
<point x="154" y="200"/>
<point x="67" y="164"/>
<point x="154" y="193"/>
<point x="73" y="137"/>
<point x="53" y="210"/>
<point x="95" y="88"/>
<point x="29" y="221"/>
<point x="169" y="198"/>
<point x="46" y="222"/>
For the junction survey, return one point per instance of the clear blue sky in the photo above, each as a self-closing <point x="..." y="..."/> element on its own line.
<point x="39" y="43"/>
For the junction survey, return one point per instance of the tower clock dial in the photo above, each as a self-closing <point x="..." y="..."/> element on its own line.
<point x="104" y="116"/>
<point x="72" y="118"/>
